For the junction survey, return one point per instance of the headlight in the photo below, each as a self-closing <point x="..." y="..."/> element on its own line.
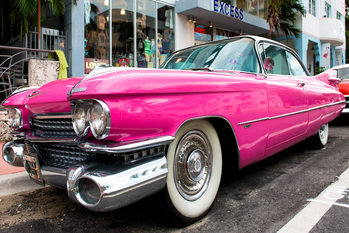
<point x="14" y="117"/>
<point x="80" y="120"/>
<point x="99" y="116"/>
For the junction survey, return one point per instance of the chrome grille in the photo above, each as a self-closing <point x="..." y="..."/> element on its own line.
<point x="53" y="128"/>
<point x="68" y="155"/>
<point x="60" y="155"/>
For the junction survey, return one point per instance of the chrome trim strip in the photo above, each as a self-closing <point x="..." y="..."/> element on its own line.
<point x="122" y="147"/>
<point x="292" y="113"/>
<point x="41" y="116"/>
<point x="47" y="140"/>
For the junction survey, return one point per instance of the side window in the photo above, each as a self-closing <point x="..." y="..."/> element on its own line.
<point x="275" y="59"/>
<point x="295" y="67"/>
<point x="343" y="73"/>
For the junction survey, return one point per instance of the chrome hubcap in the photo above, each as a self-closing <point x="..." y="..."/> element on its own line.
<point x="193" y="165"/>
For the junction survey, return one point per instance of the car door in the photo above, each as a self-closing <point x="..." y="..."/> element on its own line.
<point x="287" y="102"/>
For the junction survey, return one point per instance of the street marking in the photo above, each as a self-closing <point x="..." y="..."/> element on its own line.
<point x="307" y="218"/>
<point x="326" y="202"/>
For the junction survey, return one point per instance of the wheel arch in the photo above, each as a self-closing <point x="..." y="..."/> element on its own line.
<point x="227" y="139"/>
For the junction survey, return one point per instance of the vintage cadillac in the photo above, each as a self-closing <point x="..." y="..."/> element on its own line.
<point x="121" y="134"/>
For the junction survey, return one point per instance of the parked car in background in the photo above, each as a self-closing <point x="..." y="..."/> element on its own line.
<point x="121" y="134"/>
<point x="343" y="75"/>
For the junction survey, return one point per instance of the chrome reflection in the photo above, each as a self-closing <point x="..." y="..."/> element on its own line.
<point x="101" y="187"/>
<point x="12" y="153"/>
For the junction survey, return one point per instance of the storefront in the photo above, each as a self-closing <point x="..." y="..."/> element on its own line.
<point x="128" y="33"/>
<point x="222" y="19"/>
<point x="142" y="33"/>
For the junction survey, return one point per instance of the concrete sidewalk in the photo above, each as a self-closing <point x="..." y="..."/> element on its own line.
<point x="14" y="179"/>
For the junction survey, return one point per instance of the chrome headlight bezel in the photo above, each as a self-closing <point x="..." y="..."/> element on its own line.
<point x="106" y="121"/>
<point x="75" y="108"/>
<point x="14" y="118"/>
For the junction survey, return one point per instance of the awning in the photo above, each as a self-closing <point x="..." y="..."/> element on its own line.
<point x="223" y="19"/>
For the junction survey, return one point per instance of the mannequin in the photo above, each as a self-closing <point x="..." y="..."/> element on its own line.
<point x="147" y="47"/>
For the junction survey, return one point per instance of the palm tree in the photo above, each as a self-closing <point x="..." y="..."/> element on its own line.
<point x="26" y="12"/>
<point x="282" y="16"/>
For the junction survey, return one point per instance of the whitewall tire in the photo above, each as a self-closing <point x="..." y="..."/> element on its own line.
<point x="321" y="137"/>
<point x="194" y="170"/>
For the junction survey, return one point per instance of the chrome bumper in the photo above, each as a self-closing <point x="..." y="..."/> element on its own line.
<point x="103" y="187"/>
<point x="13" y="152"/>
<point x="345" y="110"/>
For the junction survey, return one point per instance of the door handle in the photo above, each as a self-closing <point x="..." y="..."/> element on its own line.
<point x="300" y="84"/>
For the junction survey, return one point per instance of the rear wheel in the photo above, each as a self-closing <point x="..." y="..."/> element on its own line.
<point x="194" y="170"/>
<point x="320" y="139"/>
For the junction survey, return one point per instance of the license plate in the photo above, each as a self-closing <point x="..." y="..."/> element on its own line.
<point x="33" y="168"/>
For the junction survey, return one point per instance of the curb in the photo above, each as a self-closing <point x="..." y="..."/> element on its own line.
<point x="17" y="182"/>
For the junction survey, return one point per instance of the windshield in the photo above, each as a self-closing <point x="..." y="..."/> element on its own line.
<point x="238" y="54"/>
<point x="343" y="73"/>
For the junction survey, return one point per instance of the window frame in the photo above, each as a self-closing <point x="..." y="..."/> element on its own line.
<point x="262" y="42"/>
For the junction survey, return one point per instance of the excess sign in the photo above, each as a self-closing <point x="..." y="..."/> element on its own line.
<point x="227" y="9"/>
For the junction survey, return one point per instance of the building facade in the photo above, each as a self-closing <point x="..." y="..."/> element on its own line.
<point x="142" y="33"/>
<point x="321" y="43"/>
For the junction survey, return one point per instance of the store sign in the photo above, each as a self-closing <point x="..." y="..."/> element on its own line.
<point x="200" y="33"/>
<point x="227" y="9"/>
<point x="200" y="29"/>
<point x="91" y="63"/>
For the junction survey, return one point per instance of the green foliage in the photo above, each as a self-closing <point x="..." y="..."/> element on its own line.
<point x="319" y="70"/>
<point x="282" y="16"/>
<point x="26" y="12"/>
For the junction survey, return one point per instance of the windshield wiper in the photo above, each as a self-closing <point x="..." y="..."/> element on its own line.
<point x="203" y="68"/>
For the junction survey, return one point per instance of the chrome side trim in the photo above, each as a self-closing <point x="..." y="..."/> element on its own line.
<point x="122" y="147"/>
<point x="292" y="113"/>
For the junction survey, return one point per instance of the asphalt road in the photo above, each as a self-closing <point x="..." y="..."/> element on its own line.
<point x="263" y="197"/>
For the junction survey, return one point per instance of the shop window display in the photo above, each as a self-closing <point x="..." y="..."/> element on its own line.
<point x="135" y="42"/>
<point x="146" y="34"/>
<point x="96" y="33"/>
<point x="122" y="33"/>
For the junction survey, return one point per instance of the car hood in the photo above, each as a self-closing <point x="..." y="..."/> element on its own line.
<point x="18" y="98"/>
<point x="156" y="81"/>
<point x="55" y="93"/>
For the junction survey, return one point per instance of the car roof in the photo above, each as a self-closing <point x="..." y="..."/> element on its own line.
<point x="340" y="67"/>
<point x="256" y="38"/>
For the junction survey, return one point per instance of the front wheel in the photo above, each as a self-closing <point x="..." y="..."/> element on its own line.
<point x="320" y="139"/>
<point x="194" y="170"/>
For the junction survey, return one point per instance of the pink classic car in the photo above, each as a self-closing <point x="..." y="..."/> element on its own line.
<point x="121" y="134"/>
